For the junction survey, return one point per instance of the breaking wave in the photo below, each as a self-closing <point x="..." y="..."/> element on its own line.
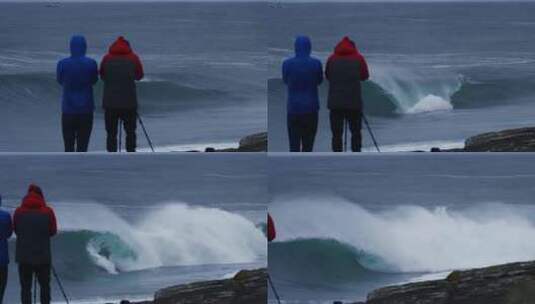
<point x="173" y="235"/>
<point x="353" y="241"/>
<point x="397" y="91"/>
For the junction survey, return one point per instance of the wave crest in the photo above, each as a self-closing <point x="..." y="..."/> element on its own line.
<point x="413" y="238"/>
<point x="173" y="235"/>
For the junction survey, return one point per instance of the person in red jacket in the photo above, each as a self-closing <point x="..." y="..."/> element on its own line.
<point x="119" y="70"/>
<point x="34" y="223"/>
<point x="272" y="234"/>
<point x="346" y="69"/>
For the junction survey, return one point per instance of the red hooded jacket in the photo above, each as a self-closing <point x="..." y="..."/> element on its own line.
<point x="121" y="48"/>
<point x="345" y="70"/>
<point x="272" y="234"/>
<point x="119" y="70"/>
<point x="34" y="201"/>
<point x="346" y="48"/>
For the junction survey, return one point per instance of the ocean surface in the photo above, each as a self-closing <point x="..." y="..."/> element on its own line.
<point x="440" y="72"/>
<point x="205" y="66"/>
<point x="131" y="225"/>
<point x="348" y="225"/>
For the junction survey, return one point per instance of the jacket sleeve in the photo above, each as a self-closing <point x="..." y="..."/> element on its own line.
<point x="102" y="71"/>
<point x="364" y="73"/>
<point x="94" y="72"/>
<point x="52" y="225"/>
<point x="7" y="229"/>
<point x="327" y="65"/>
<point x="139" y="67"/>
<point x="285" y="72"/>
<point x="59" y="73"/>
<point x="320" y="73"/>
<point x="15" y="220"/>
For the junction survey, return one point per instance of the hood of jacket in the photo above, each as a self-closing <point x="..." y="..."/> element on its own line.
<point x="34" y="198"/>
<point x="303" y="46"/>
<point x="120" y="47"/>
<point x="346" y="47"/>
<point x="78" y="46"/>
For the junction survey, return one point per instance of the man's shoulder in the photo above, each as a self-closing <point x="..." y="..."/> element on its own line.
<point x="302" y="60"/>
<point x="290" y="60"/>
<point x="315" y="60"/>
<point x="64" y="60"/>
<point x="89" y="60"/>
<point x="48" y="209"/>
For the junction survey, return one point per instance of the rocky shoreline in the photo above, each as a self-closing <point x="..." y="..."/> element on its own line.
<point x="257" y="142"/>
<point x="510" y="140"/>
<point x="246" y="287"/>
<point x="512" y="283"/>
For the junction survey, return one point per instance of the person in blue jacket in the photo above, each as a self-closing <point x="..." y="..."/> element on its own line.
<point x="302" y="74"/>
<point x="77" y="74"/>
<point x="6" y="230"/>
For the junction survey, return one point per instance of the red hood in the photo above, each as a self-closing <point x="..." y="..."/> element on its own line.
<point x="346" y="47"/>
<point x="33" y="200"/>
<point x="120" y="47"/>
<point x="36" y="189"/>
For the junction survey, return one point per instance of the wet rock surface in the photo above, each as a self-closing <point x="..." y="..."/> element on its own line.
<point x="512" y="283"/>
<point x="257" y="142"/>
<point x="246" y="287"/>
<point x="511" y="140"/>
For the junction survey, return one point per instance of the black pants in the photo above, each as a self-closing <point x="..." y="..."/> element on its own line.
<point x="129" y="119"/>
<point x="338" y="119"/>
<point x="3" y="281"/>
<point x="76" y="131"/>
<point x="302" y="130"/>
<point x="26" y="273"/>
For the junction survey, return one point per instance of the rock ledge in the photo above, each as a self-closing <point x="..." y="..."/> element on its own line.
<point x="246" y="287"/>
<point x="512" y="283"/>
<point x="510" y="140"/>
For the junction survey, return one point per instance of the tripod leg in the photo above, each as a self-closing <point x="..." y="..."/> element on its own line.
<point x="273" y="289"/>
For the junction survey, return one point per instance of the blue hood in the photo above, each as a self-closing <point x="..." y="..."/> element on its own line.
<point x="78" y="46"/>
<point x="303" y="46"/>
<point x="77" y="74"/>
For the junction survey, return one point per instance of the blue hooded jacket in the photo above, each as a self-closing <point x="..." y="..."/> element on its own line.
<point x="302" y="74"/>
<point x="77" y="75"/>
<point x="6" y="230"/>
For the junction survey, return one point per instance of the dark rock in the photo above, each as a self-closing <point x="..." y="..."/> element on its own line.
<point x="252" y="143"/>
<point x="512" y="140"/>
<point x="257" y="142"/>
<point x="246" y="287"/>
<point x="504" y="284"/>
<point x="436" y="149"/>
